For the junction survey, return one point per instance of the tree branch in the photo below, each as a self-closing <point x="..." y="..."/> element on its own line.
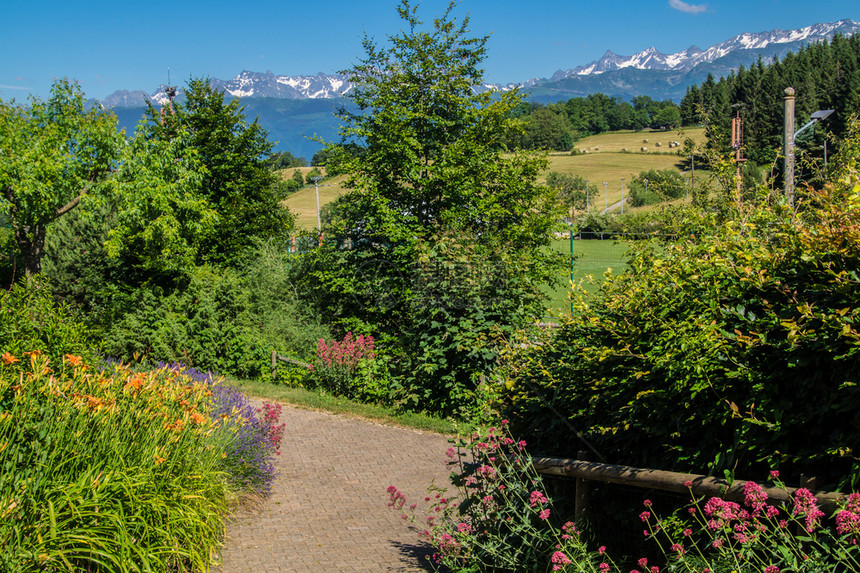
<point x="73" y="203"/>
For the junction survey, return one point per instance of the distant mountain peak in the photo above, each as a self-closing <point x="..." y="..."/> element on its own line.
<point x="743" y="49"/>
<point x="652" y="59"/>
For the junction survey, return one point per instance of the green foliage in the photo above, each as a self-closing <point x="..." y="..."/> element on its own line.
<point x="55" y="152"/>
<point x="498" y="517"/>
<point x="284" y="160"/>
<point x="203" y="325"/>
<point x="656" y="186"/>
<point x="31" y="320"/>
<point x="557" y="126"/>
<point x="163" y="218"/>
<point x="432" y="183"/>
<point x="571" y="188"/>
<point x="825" y="74"/>
<point x="113" y="470"/>
<point x="236" y="180"/>
<point x="733" y="348"/>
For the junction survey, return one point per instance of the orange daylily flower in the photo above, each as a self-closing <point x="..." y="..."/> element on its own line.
<point x="9" y="359"/>
<point x="73" y="360"/>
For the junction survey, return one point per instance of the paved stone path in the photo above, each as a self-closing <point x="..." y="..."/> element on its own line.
<point x="328" y="510"/>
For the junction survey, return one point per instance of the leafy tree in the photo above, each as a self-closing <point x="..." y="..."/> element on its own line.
<point x="571" y="188"/>
<point x="236" y="179"/>
<point x="54" y="153"/>
<point x="434" y="188"/>
<point x="662" y="185"/>
<point x="285" y="160"/>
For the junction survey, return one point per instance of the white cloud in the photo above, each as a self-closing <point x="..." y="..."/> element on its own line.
<point x="5" y="87"/>
<point x="688" y="8"/>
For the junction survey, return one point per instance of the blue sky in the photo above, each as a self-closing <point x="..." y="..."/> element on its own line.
<point x="107" y="46"/>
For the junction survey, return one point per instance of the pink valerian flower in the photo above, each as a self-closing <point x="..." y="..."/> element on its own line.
<point x="688" y="484"/>
<point x="559" y="559"/>
<point x="464" y="528"/>
<point x="853" y="503"/>
<point x="396" y="499"/>
<point x="806" y="505"/>
<point x="771" y="569"/>
<point x="847" y="522"/>
<point x="643" y="562"/>
<point x="603" y="567"/>
<point x="537" y="497"/>
<point x="774" y="474"/>
<point x="645" y="516"/>
<point x="647" y="503"/>
<point x="688" y="532"/>
<point x="601" y="550"/>
<point x="544" y="514"/>
<point x="754" y="497"/>
<point x="677" y="548"/>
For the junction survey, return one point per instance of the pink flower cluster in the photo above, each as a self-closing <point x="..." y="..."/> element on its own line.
<point x="346" y="353"/>
<point x="274" y="431"/>
<point x="848" y="519"/>
<point x="805" y="505"/>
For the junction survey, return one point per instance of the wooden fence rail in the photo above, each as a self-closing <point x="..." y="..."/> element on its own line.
<point x="276" y="357"/>
<point x="585" y="471"/>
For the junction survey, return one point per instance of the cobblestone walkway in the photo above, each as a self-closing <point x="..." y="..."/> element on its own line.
<point x="328" y="510"/>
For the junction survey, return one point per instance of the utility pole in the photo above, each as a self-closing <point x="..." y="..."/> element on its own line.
<point x="316" y="181"/>
<point x="788" y="146"/>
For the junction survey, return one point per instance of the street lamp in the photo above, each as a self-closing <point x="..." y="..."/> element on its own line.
<point x="791" y="137"/>
<point x="605" y="198"/>
<point x="587" y="209"/>
<point x="622" y="195"/>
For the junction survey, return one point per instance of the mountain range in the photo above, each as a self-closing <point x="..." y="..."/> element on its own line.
<point x="293" y="107"/>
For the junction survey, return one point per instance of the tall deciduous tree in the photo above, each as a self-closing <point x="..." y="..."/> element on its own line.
<point x="236" y="179"/>
<point x="52" y="155"/>
<point x="435" y="203"/>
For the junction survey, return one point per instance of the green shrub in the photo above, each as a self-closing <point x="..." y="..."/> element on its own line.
<point x="733" y="349"/>
<point x="662" y="185"/>
<point x="106" y="471"/>
<point x="30" y="319"/>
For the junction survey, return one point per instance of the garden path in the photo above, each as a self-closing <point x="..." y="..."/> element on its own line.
<point x="328" y="509"/>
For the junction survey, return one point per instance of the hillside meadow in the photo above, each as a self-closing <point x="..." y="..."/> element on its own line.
<point x="609" y="163"/>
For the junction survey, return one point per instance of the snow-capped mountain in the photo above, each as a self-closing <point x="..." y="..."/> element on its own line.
<point x="778" y="41"/>
<point x="656" y="74"/>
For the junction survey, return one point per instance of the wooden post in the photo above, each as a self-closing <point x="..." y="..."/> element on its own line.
<point x="583" y="491"/>
<point x="274" y="364"/>
<point x="788" y="169"/>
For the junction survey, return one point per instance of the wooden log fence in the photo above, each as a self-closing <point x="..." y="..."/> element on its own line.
<point x="700" y="485"/>
<point x="276" y="357"/>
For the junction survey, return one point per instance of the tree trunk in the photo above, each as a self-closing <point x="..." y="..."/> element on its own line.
<point x="31" y="241"/>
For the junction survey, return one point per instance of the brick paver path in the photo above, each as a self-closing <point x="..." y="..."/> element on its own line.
<point x="328" y="510"/>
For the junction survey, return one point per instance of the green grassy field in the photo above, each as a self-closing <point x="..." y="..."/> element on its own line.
<point x="608" y="164"/>
<point x="303" y="203"/>
<point x="593" y="258"/>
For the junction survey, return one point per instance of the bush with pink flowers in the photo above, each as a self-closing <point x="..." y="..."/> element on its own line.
<point x="501" y="519"/>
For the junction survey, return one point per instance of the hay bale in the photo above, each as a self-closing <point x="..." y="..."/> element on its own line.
<point x="658" y="144"/>
<point x="624" y="149"/>
<point x="596" y="148"/>
<point x="644" y="141"/>
<point x="643" y="149"/>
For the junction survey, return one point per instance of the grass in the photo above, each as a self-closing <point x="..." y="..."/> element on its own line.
<point x="303" y="203"/>
<point x="609" y="164"/>
<point x="314" y="400"/>
<point x="593" y="259"/>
